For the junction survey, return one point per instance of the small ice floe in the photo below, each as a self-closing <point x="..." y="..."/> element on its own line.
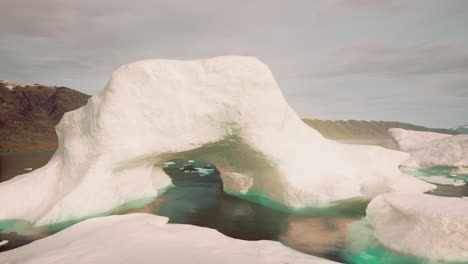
<point x="28" y="169"/>
<point x="204" y="171"/>
<point x="168" y="163"/>
<point x="4" y="242"/>
<point x="191" y="161"/>
<point x="188" y="168"/>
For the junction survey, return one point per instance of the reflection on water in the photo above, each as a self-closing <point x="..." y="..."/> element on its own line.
<point x="198" y="199"/>
<point x="16" y="163"/>
<point x="323" y="236"/>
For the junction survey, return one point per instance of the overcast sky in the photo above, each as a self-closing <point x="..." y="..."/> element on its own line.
<point x="334" y="59"/>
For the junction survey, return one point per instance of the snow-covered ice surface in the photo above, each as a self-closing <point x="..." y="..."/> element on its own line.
<point x="146" y="238"/>
<point x="410" y="140"/>
<point x="435" y="158"/>
<point x="430" y="149"/>
<point x="451" y="151"/>
<point x="204" y="171"/>
<point x="425" y="226"/>
<point x="227" y="111"/>
<point x="167" y="164"/>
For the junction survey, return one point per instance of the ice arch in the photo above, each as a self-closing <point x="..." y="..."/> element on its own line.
<point x="110" y="150"/>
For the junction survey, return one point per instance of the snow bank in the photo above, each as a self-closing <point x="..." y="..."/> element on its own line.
<point x="227" y="111"/>
<point x="145" y="238"/>
<point x="430" y="149"/>
<point x="424" y="226"/>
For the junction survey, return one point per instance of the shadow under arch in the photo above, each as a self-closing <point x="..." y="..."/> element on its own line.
<point x="230" y="156"/>
<point x="197" y="198"/>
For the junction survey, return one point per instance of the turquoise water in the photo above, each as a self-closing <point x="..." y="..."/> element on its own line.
<point x="379" y="255"/>
<point x="197" y="198"/>
<point x="443" y="175"/>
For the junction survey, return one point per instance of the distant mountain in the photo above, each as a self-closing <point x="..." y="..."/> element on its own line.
<point x="29" y="113"/>
<point x="461" y="129"/>
<point x="366" y="132"/>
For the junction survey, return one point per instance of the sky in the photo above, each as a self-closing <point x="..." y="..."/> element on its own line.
<point x="333" y="59"/>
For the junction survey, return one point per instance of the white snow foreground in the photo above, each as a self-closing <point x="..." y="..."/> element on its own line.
<point x="429" y="149"/>
<point x="146" y="238"/>
<point x="227" y="111"/>
<point x="420" y="225"/>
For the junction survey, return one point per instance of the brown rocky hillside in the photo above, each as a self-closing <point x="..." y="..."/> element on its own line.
<point x="29" y="113"/>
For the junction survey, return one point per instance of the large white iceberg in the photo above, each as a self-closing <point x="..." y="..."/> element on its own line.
<point x="429" y="149"/>
<point x="146" y="238"/>
<point x="420" y="225"/>
<point x="228" y="111"/>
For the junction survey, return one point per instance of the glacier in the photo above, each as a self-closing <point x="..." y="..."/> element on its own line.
<point x="146" y="238"/>
<point x="420" y="225"/>
<point x="227" y="111"/>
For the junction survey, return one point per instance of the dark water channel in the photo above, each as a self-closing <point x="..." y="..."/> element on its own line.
<point x="198" y="199"/>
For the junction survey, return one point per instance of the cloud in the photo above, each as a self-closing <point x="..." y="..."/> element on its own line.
<point x="327" y="54"/>
<point x="422" y="59"/>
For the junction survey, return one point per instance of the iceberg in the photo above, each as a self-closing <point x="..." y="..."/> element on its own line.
<point x="227" y="111"/>
<point x="410" y="140"/>
<point x="146" y="238"/>
<point x="421" y="225"/>
<point x="429" y="149"/>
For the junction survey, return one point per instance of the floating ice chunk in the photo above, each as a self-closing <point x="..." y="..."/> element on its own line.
<point x="204" y="171"/>
<point x="28" y="169"/>
<point x="237" y="182"/>
<point x="3" y="242"/>
<point x="112" y="150"/>
<point x="421" y="225"/>
<point x="429" y="149"/>
<point x="146" y="238"/>
<point x="168" y="164"/>
<point x="410" y="140"/>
